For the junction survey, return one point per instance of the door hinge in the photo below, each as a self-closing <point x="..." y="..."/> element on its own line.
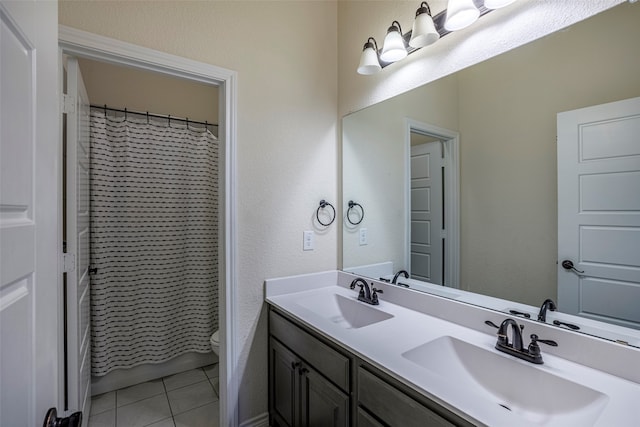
<point x="68" y="262"/>
<point x="68" y="104"/>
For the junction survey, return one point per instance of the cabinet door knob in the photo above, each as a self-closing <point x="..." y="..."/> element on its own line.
<point x="295" y="365"/>
<point x="304" y="371"/>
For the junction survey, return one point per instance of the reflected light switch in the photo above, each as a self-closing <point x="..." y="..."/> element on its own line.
<point x="363" y="236"/>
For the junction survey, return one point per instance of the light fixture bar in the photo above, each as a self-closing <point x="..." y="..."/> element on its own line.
<point x="438" y="20"/>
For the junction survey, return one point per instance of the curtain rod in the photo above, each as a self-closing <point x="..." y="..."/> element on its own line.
<point x="147" y="114"/>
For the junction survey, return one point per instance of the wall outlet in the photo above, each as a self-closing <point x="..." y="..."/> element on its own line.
<point x="363" y="237"/>
<point x="308" y="241"/>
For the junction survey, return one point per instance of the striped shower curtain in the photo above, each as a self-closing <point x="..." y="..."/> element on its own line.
<point x="154" y="241"/>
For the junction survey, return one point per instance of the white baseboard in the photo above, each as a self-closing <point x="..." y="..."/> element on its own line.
<point x="261" y="420"/>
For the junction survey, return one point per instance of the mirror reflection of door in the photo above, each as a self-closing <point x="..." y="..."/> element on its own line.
<point x="599" y="212"/>
<point x="427" y="209"/>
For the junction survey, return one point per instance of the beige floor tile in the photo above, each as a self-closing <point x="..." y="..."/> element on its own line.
<point x="184" y="378"/>
<point x="144" y="412"/>
<point x="135" y="393"/>
<point x="103" y="402"/>
<point x="212" y="371"/>
<point x="215" y="382"/>
<point x="203" y="416"/>
<point x="104" y="419"/>
<point x="168" y="422"/>
<point x="191" y="396"/>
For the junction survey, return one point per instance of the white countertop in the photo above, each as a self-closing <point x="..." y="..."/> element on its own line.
<point x="382" y="344"/>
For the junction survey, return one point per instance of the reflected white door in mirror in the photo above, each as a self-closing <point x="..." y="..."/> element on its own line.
<point x="599" y="212"/>
<point x="426" y="240"/>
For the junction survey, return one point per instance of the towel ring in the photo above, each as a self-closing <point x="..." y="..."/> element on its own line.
<point x="324" y="204"/>
<point x="352" y="205"/>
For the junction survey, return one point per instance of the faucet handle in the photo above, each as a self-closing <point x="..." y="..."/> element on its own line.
<point x="490" y="323"/>
<point x="534" y="348"/>
<point x="374" y="295"/>
<point x="535" y="339"/>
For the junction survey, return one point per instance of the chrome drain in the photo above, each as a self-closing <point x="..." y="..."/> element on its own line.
<point x="504" y="406"/>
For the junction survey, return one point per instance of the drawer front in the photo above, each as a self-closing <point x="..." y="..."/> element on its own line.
<point x="392" y="406"/>
<point x="329" y="362"/>
<point x="366" y="420"/>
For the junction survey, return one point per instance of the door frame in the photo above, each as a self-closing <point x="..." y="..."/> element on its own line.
<point x="92" y="46"/>
<point x="451" y="147"/>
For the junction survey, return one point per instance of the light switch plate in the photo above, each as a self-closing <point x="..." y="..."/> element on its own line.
<point x="308" y="241"/>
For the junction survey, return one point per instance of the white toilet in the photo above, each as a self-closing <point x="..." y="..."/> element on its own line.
<point x="215" y="342"/>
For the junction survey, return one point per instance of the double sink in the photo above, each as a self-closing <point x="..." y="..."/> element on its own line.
<point x="482" y="374"/>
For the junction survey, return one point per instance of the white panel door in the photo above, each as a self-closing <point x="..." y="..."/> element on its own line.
<point x="77" y="242"/>
<point x="426" y="250"/>
<point x="29" y="214"/>
<point x="599" y="212"/>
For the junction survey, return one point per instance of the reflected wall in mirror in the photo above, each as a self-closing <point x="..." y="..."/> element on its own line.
<point x="505" y="111"/>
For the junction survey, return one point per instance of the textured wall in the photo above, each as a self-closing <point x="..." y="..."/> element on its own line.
<point x="285" y="56"/>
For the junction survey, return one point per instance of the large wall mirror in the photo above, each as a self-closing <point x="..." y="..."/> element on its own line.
<point x="494" y="127"/>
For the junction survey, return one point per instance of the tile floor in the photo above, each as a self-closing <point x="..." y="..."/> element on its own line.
<point x="187" y="399"/>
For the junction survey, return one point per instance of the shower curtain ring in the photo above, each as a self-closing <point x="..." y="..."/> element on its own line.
<point x="324" y="204"/>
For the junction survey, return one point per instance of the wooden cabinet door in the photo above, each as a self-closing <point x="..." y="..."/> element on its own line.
<point x="322" y="403"/>
<point x="284" y="389"/>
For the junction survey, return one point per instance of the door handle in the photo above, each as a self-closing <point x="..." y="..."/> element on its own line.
<point x="568" y="265"/>
<point x="51" y="419"/>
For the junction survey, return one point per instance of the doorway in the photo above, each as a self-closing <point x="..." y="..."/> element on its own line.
<point x="432" y="203"/>
<point x="85" y="45"/>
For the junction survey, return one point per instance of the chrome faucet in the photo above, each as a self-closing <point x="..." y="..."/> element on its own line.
<point x="515" y="347"/>
<point x="366" y="294"/>
<point x="395" y="278"/>
<point x="548" y="304"/>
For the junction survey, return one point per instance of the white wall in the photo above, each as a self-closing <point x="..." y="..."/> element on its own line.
<point x="284" y="53"/>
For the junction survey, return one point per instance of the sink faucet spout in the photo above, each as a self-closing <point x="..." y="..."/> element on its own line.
<point x="548" y="304"/>
<point x="516" y="335"/>
<point x="395" y="278"/>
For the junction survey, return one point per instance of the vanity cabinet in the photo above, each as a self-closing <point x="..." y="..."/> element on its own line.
<point x="309" y="381"/>
<point x="316" y="383"/>
<point x="384" y="401"/>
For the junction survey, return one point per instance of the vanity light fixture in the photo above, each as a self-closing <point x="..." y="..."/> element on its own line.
<point x="369" y="62"/>
<point x="424" y="30"/>
<point x="460" y="14"/>
<point x="427" y="29"/>
<point x="394" y="48"/>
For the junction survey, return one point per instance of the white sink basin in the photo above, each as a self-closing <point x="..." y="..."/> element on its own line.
<point x="346" y="312"/>
<point x="531" y="393"/>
